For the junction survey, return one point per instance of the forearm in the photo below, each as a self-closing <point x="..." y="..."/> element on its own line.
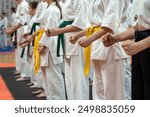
<point x="144" y="44"/>
<point x="81" y="34"/>
<point x="68" y="29"/>
<point x="127" y="35"/>
<point x="99" y="34"/>
<point x="15" y="28"/>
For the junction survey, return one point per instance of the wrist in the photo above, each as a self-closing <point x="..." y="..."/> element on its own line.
<point x="92" y="38"/>
<point x="116" y="39"/>
<point x="59" y="31"/>
<point x="140" y="46"/>
<point x="77" y="37"/>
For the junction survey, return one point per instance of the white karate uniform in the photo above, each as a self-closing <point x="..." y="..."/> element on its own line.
<point x="50" y="63"/>
<point x="21" y="17"/>
<point x="13" y="23"/>
<point x="12" y="18"/>
<point x="135" y="8"/>
<point x="108" y="81"/>
<point x="143" y="21"/>
<point x="123" y="18"/>
<point x="42" y="6"/>
<point x="27" y="29"/>
<point x="77" y="85"/>
<point x="21" y="13"/>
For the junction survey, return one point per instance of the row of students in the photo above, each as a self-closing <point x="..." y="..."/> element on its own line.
<point x="75" y="15"/>
<point x="76" y="87"/>
<point x="99" y="54"/>
<point x="17" y="29"/>
<point x="58" y="48"/>
<point x="33" y="26"/>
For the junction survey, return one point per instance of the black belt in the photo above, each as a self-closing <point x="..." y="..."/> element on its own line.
<point x="140" y="35"/>
<point x="15" y="41"/>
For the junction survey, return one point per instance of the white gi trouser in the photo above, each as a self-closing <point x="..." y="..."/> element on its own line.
<point x="77" y="84"/>
<point x="127" y="78"/>
<point x="16" y="60"/>
<point x="108" y="80"/>
<point x="23" y="65"/>
<point x="32" y="74"/>
<point x="53" y="79"/>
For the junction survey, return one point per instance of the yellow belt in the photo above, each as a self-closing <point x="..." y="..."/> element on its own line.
<point x="87" y="50"/>
<point x="38" y="36"/>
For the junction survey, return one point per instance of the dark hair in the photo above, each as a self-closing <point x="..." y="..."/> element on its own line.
<point x="13" y="9"/>
<point x="33" y="5"/>
<point x="3" y="13"/>
<point x="58" y="5"/>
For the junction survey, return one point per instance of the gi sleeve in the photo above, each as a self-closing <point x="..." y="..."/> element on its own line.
<point x="81" y="14"/>
<point x="110" y="19"/>
<point x="53" y="22"/>
<point x="22" y="16"/>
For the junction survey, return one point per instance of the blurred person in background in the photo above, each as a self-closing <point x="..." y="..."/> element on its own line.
<point x="3" y="25"/>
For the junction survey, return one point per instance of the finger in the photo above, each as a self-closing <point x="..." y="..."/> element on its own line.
<point x="106" y="37"/>
<point x="46" y="32"/>
<point x="127" y="52"/>
<point x="124" y="45"/>
<point x="39" y="49"/>
<point x="51" y="32"/>
<point x="105" y="44"/>
<point x="82" y="44"/>
<point x="128" y="42"/>
<point x="79" y="42"/>
<point x="71" y="38"/>
<point x="103" y="38"/>
<point x="125" y="48"/>
<point x="109" y="35"/>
